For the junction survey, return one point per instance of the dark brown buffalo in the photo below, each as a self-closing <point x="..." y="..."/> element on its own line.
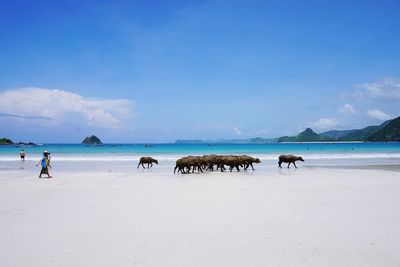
<point x="289" y="159"/>
<point x="148" y="160"/>
<point x="209" y="162"/>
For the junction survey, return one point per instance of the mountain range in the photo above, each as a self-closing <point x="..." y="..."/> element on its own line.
<point x="389" y="131"/>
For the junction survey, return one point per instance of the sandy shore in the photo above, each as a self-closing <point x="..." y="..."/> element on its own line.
<point x="304" y="217"/>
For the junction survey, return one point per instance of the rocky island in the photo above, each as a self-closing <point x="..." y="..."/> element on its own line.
<point x="92" y="140"/>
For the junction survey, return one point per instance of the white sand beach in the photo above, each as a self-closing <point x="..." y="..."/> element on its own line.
<point x="303" y="217"/>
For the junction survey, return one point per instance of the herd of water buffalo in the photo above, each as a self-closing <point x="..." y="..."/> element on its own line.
<point x="217" y="162"/>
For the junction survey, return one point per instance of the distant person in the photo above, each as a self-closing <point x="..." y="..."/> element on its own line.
<point x="22" y="155"/>
<point x="45" y="162"/>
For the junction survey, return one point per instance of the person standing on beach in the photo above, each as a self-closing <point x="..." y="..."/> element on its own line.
<point x="45" y="165"/>
<point x="22" y="155"/>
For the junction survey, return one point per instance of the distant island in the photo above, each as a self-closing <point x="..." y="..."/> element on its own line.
<point x="6" y="141"/>
<point x="92" y="140"/>
<point x="25" y="144"/>
<point x="389" y="131"/>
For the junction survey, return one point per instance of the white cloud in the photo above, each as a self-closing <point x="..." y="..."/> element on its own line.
<point x="236" y="131"/>
<point x="63" y="107"/>
<point x="379" y="115"/>
<point x="347" y="109"/>
<point x="384" y="88"/>
<point x="325" y="123"/>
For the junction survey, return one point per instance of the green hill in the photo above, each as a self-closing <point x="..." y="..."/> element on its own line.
<point x="306" y="136"/>
<point x="390" y="132"/>
<point x="5" y="141"/>
<point x="363" y="134"/>
<point x="360" y="135"/>
<point x="337" y="134"/>
<point x="387" y="131"/>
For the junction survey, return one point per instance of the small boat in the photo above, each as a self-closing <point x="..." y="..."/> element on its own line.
<point x="148" y="145"/>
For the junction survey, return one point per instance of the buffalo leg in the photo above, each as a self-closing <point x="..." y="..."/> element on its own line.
<point x="280" y="163"/>
<point x="288" y="164"/>
<point x="222" y="168"/>
<point x="294" y="163"/>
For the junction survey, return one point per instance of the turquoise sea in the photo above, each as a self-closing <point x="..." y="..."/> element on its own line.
<point x="72" y="156"/>
<point x="344" y="147"/>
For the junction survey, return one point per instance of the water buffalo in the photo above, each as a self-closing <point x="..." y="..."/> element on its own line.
<point x="185" y="164"/>
<point x="208" y="162"/>
<point x="289" y="159"/>
<point x="148" y="160"/>
<point x="248" y="161"/>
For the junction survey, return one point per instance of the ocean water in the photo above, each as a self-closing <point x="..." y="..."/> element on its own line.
<point x="126" y="156"/>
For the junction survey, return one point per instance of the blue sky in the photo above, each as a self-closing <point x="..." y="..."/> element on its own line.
<point x="155" y="71"/>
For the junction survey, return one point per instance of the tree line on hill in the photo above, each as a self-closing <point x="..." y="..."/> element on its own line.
<point x="385" y="132"/>
<point x="6" y="141"/>
<point x="389" y="131"/>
